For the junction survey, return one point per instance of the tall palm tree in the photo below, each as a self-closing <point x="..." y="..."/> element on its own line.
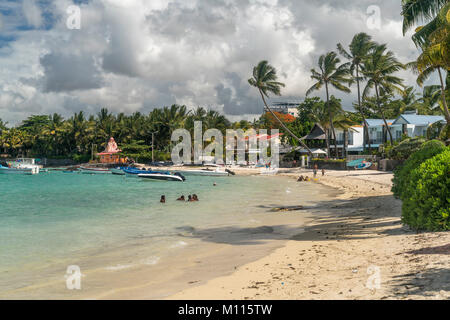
<point x="331" y="75"/>
<point x="360" y="47"/>
<point x="379" y="68"/>
<point x="265" y="80"/>
<point x="434" y="57"/>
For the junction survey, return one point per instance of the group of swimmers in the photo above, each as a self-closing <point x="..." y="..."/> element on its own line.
<point x="191" y="198"/>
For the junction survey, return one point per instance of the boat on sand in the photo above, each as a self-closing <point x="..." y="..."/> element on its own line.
<point x="207" y="172"/>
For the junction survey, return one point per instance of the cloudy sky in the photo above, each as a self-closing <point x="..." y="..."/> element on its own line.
<point x="135" y="55"/>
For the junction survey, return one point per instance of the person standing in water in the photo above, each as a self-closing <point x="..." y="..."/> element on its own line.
<point x="163" y="199"/>
<point x="181" y="198"/>
<point x="194" y="197"/>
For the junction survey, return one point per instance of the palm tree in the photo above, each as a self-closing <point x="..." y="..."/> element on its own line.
<point x="334" y="75"/>
<point x="343" y="122"/>
<point x="431" y="60"/>
<point x="320" y="113"/>
<point x="3" y="125"/>
<point x="379" y="68"/>
<point x="360" y="47"/>
<point x="430" y="98"/>
<point x="265" y="80"/>
<point x="414" y="11"/>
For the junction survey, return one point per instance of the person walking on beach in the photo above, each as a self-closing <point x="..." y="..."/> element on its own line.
<point x="163" y="199"/>
<point x="323" y="172"/>
<point x="315" y="170"/>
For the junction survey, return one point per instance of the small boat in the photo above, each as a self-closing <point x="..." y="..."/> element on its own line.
<point x="20" y="166"/>
<point x="207" y="172"/>
<point x="268" y="171"/>
<point x="8" y="170"/>
<point x="364" y="165"/>
<point x="118" y="171"/>
<point x="133" y="172"/>
<point x="92" y="170"/>
<point x="162" y="176"/>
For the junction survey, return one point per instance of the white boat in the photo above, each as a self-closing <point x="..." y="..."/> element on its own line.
<point x="206" y="172"/>
<point x="7" y="170"/>
<point x="162" y="176"/>
<point x="20" y="166"/>
<point x="268" y="171"/>
<point x="92" y="170"/>
<point x="117" y="171"/>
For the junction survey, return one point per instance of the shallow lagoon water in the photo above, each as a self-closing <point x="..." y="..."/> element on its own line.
<point x="110" y="222"/>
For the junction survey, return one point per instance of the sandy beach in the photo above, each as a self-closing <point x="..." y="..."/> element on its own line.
<point x="354" y="247"/>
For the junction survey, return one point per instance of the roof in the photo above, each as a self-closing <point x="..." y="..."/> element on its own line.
<point x="378" y="122"/>
<point x="263" y="137"/>
<point x="416" y="119"/>
<point x="317" y="133"/>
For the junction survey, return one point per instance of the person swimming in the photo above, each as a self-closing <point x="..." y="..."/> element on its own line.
<point x="190" y="198"/>
<point x="194" y="197"/>
<point x="181" y="198"/>
<point x="163" y="199"/>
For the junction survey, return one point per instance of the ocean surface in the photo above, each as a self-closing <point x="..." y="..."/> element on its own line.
<point x="107" y="222"/>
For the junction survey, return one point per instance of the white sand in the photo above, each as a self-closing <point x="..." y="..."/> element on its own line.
<point x="351" y="238"/>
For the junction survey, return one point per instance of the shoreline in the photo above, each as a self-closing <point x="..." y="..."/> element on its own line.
<point x="354" y="247"/>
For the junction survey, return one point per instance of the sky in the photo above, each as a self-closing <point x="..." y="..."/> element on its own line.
<point x="137" y="55"/>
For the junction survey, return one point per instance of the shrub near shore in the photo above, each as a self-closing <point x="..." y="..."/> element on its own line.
<point x="426" y="151"/>
<point x="426" y="198"/>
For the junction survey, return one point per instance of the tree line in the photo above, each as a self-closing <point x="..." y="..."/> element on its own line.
<point x="368" y="65"/>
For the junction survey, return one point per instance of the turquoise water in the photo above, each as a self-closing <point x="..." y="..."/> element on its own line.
<point x="51" y="219"/>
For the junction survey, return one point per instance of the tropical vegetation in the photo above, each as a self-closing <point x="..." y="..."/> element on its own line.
<point x="425" y="200"/>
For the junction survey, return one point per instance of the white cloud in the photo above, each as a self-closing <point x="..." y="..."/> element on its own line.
<point x="137" y="55"/>
<point x="32" y="13"/>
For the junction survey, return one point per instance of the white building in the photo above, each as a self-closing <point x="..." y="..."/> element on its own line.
<point x="412" y="125"/>
<point x="286" y="108"/>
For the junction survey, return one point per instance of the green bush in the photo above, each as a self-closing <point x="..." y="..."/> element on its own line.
<point x="426" y="200"/>
<point x="404" y="149"/>
<point x="81" y="158"/>
<point x="401" y="174"/>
